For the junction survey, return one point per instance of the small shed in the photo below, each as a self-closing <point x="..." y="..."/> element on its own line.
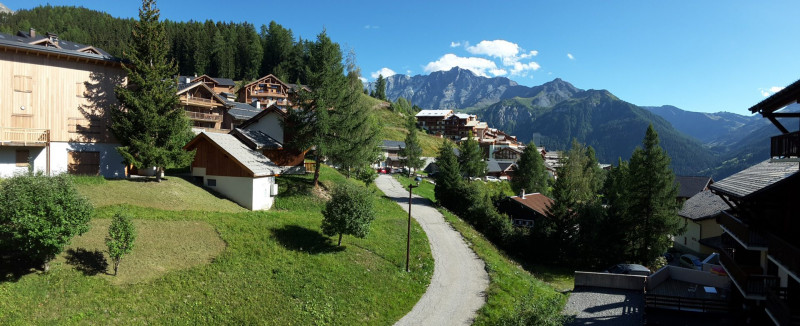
<point x="525" y="209"/>
<point x="228" y="166"/>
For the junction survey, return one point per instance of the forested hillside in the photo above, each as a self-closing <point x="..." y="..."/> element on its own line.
<point x="238" y="51"/>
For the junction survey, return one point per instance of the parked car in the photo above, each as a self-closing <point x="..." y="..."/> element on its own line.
<point x="492" y="179"/>
<point x="631" y="269"/>
<point x="690" y="261"/>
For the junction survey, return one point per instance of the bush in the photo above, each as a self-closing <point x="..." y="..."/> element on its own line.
<point x="350" y="211"/>
<point x="41" y="214"/>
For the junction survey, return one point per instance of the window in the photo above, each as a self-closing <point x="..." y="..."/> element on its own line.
<point x="80" y="90"/>
<point x="23" y="158"/>
<point x="23" y="84"/>
<point x="86" y="163"/>
<point x="212" y="182"/>
<point x="22" y="98"/>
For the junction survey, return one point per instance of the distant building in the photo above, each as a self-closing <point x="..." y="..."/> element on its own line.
<point x="525" y="209"/>
<point x="433" y="120"/>
<point x="689" y="186"/>
<point x="699" y="215"/>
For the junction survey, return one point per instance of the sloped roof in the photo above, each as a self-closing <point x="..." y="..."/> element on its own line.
<point x="434" y="113"/>
<point x="258" y="164"/>
<point x="784" y="97"/>
<point x="692" y="185"/>
<point x="269" y="109"/>
<point x="23" y="41"/>
<point x="241" y="111"/>
<point x="755" y="178"/>
<point x="258" y="139"/>
<point x="505" y="166"/>
<point x="224" y="81"/>
<point x="493" y="167"/>
<point x="703" y="205"/>
<point x="393" y="144"/>
<point x="536" y="201"/>
<point x="182" y="88"/>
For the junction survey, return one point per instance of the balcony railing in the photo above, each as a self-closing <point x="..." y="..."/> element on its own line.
<point x="204" y="116"/>
<point x="785" y="253"/>
<point x="743" y="232"/>
<point x="786" y="145"/>
<point x="777" y="305"/>
<point x="754" y="286"/>
<point x="24" y="136"/>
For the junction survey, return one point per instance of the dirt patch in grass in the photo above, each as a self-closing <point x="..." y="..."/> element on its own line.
<point x="160" y="247"/>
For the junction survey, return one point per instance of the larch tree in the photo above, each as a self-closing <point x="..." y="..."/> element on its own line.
<point x="380" y="88"/>
<point x="150" y="126"/>
<point x="412" y="152"/>
<point x="651" y="200"/>
<point x="470" y="158"/>
<point x="530" y="173"/>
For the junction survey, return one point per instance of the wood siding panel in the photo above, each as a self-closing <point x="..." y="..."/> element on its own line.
<point x="216" y="161"/>
<point x="54" y="84"/>
<point x="85" y="163"/>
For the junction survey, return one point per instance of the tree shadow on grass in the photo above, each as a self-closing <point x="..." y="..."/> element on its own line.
<point x="13" y="267"/>
<point x="295" y="185"/>
<point x="88" y="262"/>
<point x="298" y="238"/>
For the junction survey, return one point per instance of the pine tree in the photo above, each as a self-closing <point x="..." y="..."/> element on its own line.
<point x="530" y="173"/>
<point x="150" y="125"/>
<point x="448" y="177"/>
<point x="412" y="152"/>
<point x="652" y="203"/>
<point x="277" y="44"/>
<point x="471" y="158"/>
<point x="380" y="88"/>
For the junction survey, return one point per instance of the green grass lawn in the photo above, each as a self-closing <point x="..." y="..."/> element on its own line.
<point x="275" y="267"/>
<point x="510" y="284"/>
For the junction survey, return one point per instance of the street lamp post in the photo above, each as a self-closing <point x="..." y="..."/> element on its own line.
<point x="408" y="238"/>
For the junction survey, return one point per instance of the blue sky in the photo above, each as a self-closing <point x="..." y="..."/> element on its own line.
<point x="697" y="55"/>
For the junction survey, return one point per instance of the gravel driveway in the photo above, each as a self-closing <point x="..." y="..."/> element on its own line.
<point x="459" y="282"/>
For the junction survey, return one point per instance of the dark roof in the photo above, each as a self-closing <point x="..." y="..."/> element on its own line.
<point x="755" y="178"/>
<point x="536" y="201"/>
<point x="691" y="185"/>
<point x="241" y="111"/>
<point x="493" y="167"/>
<point x="784" y="97"/>
<point x="224" y="81"/>
<point x="22" y="40"/>
<point x="393" y="144"/>
<point x="262" y="113"/>
<point x="257" y="139"/>
<point x="703" y="205"/>
<point x="504" y="166"/>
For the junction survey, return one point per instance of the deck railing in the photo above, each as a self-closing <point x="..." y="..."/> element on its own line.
<point x="784" y="252"/>
<point x="778" y="306"/>
<point x="24" y="136"/>
<point x="679" y="303"/>
<point x="786" y="145"/>
<point x="741" y="230"/>
<point x="752" y="284"/>
<point x="203" y="116"/>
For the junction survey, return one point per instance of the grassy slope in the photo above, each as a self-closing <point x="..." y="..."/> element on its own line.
<point x="277" y="268"/>
<point x="509" y="282"/>
<point x="394" y="127"/>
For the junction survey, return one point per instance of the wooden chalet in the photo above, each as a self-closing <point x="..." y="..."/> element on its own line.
<point x="268" y="90"/>
<point x="760" y="247"/>
<point x="217" y="85"/>
<point x="432" y="121"/>
<point x="525" y="209"/>
<point x="265" y="132"/>
<point x="54" y="113"/>
<point x="204" y="108"/>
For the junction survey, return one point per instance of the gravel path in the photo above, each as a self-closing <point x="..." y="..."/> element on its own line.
<point x="459" y="282"/>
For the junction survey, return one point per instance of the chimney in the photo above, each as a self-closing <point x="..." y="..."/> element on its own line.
<point x="523" y="194"/>
<point x="256" y="104"/>
<point x="188" y="80"/>
<point x="32" y="33"/>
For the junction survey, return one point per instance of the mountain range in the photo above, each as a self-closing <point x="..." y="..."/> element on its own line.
<point x="552" y="114"/>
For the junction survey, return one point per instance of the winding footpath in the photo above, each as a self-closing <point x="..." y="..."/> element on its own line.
<point x="458" y="287"/>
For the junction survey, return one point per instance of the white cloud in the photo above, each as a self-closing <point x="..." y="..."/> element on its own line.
<point x="769" y="91"/>
<point x="455" y="44"/>
<point x="519" y="68"/>
<point x="386" y="72"/>
<point x="371" y="27"/>
<point x="363" y="80"/>
<point x="479" y="66"/>
<point x="570" y="56"/>
<point x="496" y="48"/>
<point x="408" y="72"/>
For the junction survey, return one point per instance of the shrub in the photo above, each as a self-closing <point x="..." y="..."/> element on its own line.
<point x="350" y="211"/>
<point x="41" y="214"/>
<point x="121" y="235"/>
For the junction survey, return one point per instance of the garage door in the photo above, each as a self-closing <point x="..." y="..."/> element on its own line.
<point x="86" y="163"/>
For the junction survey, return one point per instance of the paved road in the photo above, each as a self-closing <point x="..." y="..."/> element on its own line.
<point x="459" y="283"/>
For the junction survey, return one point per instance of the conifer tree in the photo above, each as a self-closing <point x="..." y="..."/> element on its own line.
<point x="651" y="200"/>
<point x="530" y="173"/>
<point x="471" y="158"/>
<point x="412" y="152"/>
<point x="380" y="88"/>
<point x="150" y="125"/>
<point x="448" y="177"/>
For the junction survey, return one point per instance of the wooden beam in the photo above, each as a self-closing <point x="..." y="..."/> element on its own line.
<point x="786" y="115"/>
<point x="776" y="123"/>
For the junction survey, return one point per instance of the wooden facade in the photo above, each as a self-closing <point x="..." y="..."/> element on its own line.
<point x="267" y="90"/>
<point x="216" y="161"/>
<point x="204" y="108"/>
<point x="214" y="84"/>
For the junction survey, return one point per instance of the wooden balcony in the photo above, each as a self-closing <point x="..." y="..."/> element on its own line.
<point x="779" y="309"/>
<point x="24" y="137"/>
<point x="743" y="233"/>
<point x="199" y="101"/>
<point x="785" y="146"/>
<point x="203" y="116"/>
<point x="748" y="278"/>
<point x="784" y="253"/>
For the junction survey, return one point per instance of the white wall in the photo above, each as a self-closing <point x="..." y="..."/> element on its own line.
<point x="270" y="125"/>
<point x="252" y="193"/>
<point x="8" y="160"/>
<point x="690" y="238"/>
<point x="111" y="165"/>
